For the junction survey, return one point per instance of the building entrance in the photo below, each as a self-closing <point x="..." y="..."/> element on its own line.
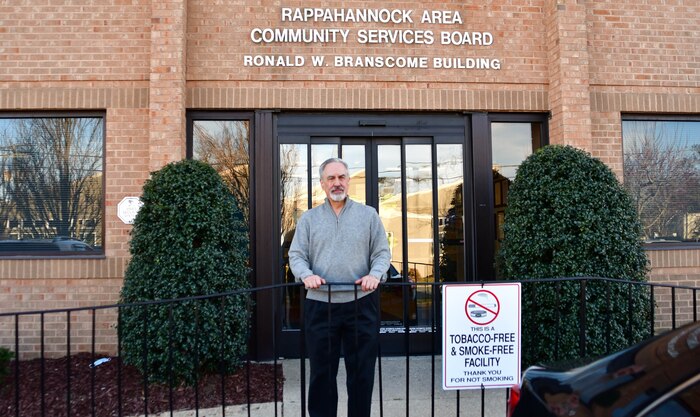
<point x="413" y="170"/>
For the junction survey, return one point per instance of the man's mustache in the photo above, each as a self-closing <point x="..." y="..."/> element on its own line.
<point x="338" y="188"/>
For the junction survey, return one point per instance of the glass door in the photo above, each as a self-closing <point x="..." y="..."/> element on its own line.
<point x="416" y="185"/>
<point x="300" y="190"/>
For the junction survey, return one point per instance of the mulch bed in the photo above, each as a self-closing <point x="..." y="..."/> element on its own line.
<point x="107" y="390"/>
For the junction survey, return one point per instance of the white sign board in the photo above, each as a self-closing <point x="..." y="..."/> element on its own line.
<point x="481" y="336"/>
<point x="128" y="208"/>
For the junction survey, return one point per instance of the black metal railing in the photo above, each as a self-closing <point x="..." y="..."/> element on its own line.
<point x="73" y="364"/>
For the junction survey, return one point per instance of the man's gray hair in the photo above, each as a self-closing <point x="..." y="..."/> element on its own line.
<point x="330" y="161"/>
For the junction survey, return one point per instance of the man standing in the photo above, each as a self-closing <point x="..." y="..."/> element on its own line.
<point x="340" y="242"/>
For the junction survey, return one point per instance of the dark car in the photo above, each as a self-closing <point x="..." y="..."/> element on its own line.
<point x="655" y="378"/>
<point x="57" y="244"/>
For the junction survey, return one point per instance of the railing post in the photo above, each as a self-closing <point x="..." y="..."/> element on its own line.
<point x="249" y="307"/>
<point x="302" y="350"/>
<point x="433" y="343"/>
<point x="379" y="354"/>
<point x="92" y="363"/>
<point x="557" y="286"/>
<point x="16" y="365"/>
<point x="653" y="312"/>
<point x="630" y="307"/>
<point x="608" y="318"/>
<point x="533" y="326"/>
<point x="170" y="357"/>
<point x="43" y="369"/>
<point x="673" y="307"/>
<point x="68" y="382"/>
<point x="196" y="359"/>
<point x="145" y="360"/>
<point x="222" y="366"/>
<point x="119" y="361"/>
<point x="406" y="345"/>
<point x="483" y="400"/>
<point x="274" y="345"/>
<point x="457" y="401"/>
<point x="582" y="319"/>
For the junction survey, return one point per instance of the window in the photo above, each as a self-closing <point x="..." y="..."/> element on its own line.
<point x="511" y="143"/>
<point x="662" y="174"/>
<point x="223" y="141"/>
<point x="52" y="192"/>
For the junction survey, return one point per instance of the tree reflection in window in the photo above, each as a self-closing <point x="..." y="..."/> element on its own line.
<point x="224" y="144"/>
<point x="450" y="181"/>
<point x="662" y="174"/>
<point x="51" y="187"/>
<point x="511" y="143"/>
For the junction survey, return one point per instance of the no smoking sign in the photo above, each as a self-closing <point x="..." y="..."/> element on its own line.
<point x="481" y="335"/>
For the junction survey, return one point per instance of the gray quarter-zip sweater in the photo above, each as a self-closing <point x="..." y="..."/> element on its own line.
<point x="339" y="249"/>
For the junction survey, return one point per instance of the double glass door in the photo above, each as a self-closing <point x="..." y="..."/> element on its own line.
<point x="416" y="184"/>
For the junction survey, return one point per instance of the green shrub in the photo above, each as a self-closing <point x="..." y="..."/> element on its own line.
<point x="568" y="216"/>
<point x="6" y="356"/>
<point x="188" y="239"/>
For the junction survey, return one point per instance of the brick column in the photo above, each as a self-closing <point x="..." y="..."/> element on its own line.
<point x="167" y="82"/>
<point x="569" y="95"/>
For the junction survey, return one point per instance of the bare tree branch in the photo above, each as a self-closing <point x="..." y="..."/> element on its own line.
<point x="53" y="177"/>
<point x="224" y="145"/>
<point x="663" y="177"/>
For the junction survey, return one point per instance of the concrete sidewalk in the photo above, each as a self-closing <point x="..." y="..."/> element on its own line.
<point x="393" y="394"/>
<point x="394" y="391"/>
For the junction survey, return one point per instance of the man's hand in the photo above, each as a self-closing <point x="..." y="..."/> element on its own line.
<point x="313" y="281"/>
<point x="368" y="282"/>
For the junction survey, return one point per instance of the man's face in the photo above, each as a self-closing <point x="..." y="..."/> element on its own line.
<point x="335" y="181"/>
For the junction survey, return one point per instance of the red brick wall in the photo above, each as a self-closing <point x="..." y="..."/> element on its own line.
<point x="102" y="40"/>
<point x="29" y="285"/>
<point x="219" y="37"/>
<point x="644" y="59"/>
<point x="167" y="86"/>
<point x="675" y="267"/>
<point x="644" y="44"/>
<point x="569" y="101"/>
<point x="77" y="55"/>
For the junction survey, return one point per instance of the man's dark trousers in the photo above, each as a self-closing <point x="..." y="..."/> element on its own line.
<point x="355" y="325"/>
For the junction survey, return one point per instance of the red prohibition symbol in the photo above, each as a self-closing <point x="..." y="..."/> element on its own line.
<point x="482" y="307"/>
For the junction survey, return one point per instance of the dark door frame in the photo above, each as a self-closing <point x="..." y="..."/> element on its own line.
<point x="295" y="127"/>
<point x="475" y="128"/>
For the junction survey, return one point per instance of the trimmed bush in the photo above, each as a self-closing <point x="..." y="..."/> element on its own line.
<point x="568" y="216"/>
<point x="188" y="239"/>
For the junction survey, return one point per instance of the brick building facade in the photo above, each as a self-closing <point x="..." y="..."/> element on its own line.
<point x="146" y="66"/>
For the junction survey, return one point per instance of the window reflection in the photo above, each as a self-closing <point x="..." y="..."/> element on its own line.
<point x="294" y="197"/>
<point x="293" y="187"/>
<point x="408" y="190"/>
<point x="419" y="221"/>
<point x="320" y="153"/>
<point x="224" y="145"/>
<point x="450" y="182"/>
<point x="354" y="156"/>
<point x="511" y="143"/>
<point x="51" y="184"/>
<point x="662" y="174"/>
<point x="390" y="193"/>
